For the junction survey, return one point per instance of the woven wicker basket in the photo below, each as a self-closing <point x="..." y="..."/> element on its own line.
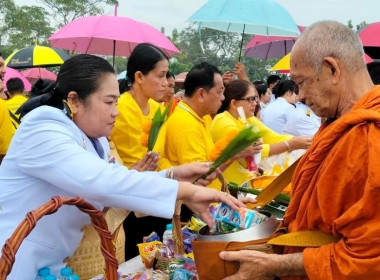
<point x="26" y="226"/>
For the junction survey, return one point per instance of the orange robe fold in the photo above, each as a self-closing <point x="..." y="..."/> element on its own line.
<point x="336" y="189"/>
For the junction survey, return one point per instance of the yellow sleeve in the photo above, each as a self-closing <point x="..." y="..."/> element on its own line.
<point x="6" y="128"/>
<point x="223" y="124"/>
<point x="269" y="136"/>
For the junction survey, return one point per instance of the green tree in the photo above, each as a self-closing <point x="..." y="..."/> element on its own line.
<point x="24" y="25"/>
<point x="65" y="11"/>
<point x="217" y="47"/>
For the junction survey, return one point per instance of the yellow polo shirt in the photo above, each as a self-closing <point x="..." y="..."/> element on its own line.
<point x="224" y="122"/>
<point x="6" y="128"/>
<point x="14" y="103"/>
<point x="127" y="132"/>
<point x="188" y="138"/>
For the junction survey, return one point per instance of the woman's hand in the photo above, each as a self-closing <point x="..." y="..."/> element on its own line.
<point x="192" y="171"/>
<point x="251" y="150"/>
<point x="198" y="199"/>
<point x="148" y="163"/>
<point x="299" y="142"/>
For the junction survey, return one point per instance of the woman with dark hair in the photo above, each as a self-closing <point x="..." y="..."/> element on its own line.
<point x="240" y="93"/>
<point x="147" y="68"/>
<point x="276" y="114"/>
<point x="264" y="95"/>
<point x="146" y="82"/>
<point x="60" y="149"/>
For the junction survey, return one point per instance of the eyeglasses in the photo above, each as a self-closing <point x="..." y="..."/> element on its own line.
<point x="251" y="99"/>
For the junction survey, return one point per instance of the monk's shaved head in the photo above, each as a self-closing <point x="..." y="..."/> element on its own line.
<point x="331" y="39"/>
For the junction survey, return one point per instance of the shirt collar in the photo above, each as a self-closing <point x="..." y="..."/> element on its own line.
<point x="187" y="108"/>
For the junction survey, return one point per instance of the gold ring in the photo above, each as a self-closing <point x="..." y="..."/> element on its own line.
<point x="226" y="194"/>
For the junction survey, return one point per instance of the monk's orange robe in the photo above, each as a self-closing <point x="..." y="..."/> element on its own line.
<point x="336" y="189"/>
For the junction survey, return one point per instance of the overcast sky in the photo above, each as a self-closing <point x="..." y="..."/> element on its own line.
<point x="174" y="13"/>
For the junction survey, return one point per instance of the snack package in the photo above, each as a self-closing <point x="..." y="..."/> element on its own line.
<point x="148" y="251"/>
<point x="151" y="237"/>
<point x="195" y="224"/>
<point x="243" y="218"/>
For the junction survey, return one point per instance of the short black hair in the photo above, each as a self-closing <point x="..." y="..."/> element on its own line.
<point x="200" y="76"/>
<point x="257" y="83"/>
<point x="169" y="75"/>
<point x="272" y="79"/>
<point x="284" y="86"/>
<point x="261" y="89"/>
<point x="374" y="71"/>
<point x="15" y="85"/>
<point x="1" y="54"/>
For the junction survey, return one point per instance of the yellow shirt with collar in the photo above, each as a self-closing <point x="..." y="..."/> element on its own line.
<point x="6" y="128"/>
<point x="188" y="138"/>
<point x="225" y="122"/>
<point x="127" y="132"/>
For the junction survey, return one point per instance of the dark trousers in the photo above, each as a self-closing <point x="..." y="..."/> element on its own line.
<point x="137" y="228"/>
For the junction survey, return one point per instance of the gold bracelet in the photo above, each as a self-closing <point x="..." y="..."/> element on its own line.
<point x="287" y="145"/>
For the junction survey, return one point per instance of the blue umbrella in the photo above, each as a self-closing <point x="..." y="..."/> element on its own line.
<point x="122" y="75"/>
<point x="260" y="17"/>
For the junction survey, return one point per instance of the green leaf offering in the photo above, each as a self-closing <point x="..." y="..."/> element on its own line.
<point x="158" y="120"/>
<point x="242" y="140"/>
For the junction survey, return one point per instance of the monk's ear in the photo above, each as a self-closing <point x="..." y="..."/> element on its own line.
<point x="333" y="68"/>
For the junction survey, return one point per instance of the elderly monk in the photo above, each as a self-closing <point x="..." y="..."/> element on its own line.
<point x="337" y="182"/>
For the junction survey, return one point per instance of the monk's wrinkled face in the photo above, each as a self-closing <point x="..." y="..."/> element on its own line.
<point x="315" y="90"/>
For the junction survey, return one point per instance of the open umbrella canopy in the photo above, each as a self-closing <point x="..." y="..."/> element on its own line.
<point x="283" y="65"/>
<point x="36" y="56"/>
<point x="180" y="80"/>
<point x="109" y="35"/>
<point x="12" y="73"/>
<point x="266" y="47"/>
<point x="264" y="17"/>
<point x="34" y="74"/>
<point x="369" y="35"/>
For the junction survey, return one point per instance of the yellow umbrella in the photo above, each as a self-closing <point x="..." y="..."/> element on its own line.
<point x="283" y="64"/>
<point x="36" y="56"/>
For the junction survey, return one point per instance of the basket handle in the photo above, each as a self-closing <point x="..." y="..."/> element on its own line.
<point x="13" y="243"/>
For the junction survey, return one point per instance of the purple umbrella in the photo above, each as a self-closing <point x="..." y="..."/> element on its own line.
<point x="265" y="47"/>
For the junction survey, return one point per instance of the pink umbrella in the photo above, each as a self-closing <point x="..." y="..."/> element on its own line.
<point x="265" y="47"/>
<point x="370" y="38"/>
<point x="34" y="74"/>
<point x="109" y="35"/>
<point x="12" y="73"/>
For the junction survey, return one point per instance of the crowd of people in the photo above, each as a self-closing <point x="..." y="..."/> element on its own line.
<point x="82" y="136"/>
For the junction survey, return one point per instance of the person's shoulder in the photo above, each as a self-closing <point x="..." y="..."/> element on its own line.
<point x="224" y="119"/>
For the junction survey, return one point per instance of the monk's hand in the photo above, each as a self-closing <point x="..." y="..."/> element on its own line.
<point x="148" y="163"/>
<point x="192" y="171"/>
<point x="254" y="265"/>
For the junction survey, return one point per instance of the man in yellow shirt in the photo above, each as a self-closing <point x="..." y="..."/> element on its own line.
<point x="16" y="91"/>
<point x="6" y="127"/>
<point x="188" y="137"/>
